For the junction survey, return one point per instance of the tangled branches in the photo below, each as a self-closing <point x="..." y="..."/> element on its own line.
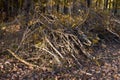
<point x="60" y="37"/>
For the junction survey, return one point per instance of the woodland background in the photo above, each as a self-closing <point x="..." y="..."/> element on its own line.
<point x="60" y="39"/>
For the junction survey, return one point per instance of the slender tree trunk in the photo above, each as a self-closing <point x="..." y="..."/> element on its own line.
<point x="105" y="4"/>
<point x="89" y="2"/>
<point x="26" y="10"/>
<point x="114" y="10"/>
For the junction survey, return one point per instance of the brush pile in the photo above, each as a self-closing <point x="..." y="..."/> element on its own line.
<point x="64" y="39"/>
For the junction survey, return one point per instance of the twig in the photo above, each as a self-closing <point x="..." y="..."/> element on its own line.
<point x="76" y="59"/>
<point x="78" y="42"/>
<point x="34" y="58"/>
<point x="22" y="60"/>
<point x="54" y="48"/>
<point x="26" y="34"/>
<point x="84" y="72"/>
<point x="113" y="33"/>
<point x="115" y="20"/>
<point x="23" y="38"/>
<point x="55" y="56"/>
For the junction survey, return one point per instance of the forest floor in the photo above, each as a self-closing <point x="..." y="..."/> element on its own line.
<point x="13" y="69"/>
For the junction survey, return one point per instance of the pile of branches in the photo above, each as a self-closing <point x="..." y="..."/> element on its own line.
<point x="64" y="45"/>
<point x="46" y="38"/>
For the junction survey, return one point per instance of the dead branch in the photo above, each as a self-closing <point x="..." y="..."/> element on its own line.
<point x="54" y="48"/>
<point x="22" y="60"/>
<point x="55" y="56"/>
